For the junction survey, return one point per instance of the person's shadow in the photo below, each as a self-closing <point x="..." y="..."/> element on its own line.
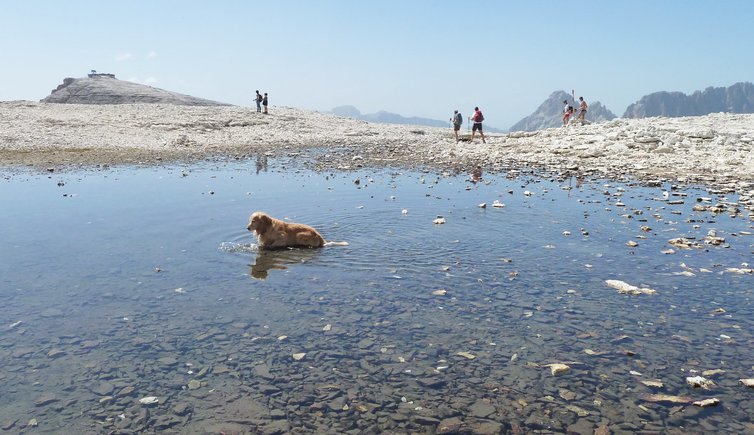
<point x="279" y="259"/>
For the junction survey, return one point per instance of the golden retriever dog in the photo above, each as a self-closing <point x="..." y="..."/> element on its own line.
<point x="274" y="234"/>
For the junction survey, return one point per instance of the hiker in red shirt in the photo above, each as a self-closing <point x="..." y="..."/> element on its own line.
<point x="567" y="111"/>
<point x="477" y="119"/>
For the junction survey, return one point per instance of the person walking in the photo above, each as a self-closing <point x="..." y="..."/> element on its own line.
<point x="567" y="110"/>
<point x="477" y="118"/>
<point x="457" y="120"/>
<point x="582" y="109"/>
<point x="258" y="100"/>
<point x="264" y="102"/>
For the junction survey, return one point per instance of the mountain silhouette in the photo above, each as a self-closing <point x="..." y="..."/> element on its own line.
<point x="384" y="117"/>
<point x="550" y="113"/>
<point x="737" y="98"/>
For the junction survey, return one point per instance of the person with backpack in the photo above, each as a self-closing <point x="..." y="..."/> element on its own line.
<point x="457" y="120"/>
<point x="258" y="99"/>
<point x="477" y="118"/>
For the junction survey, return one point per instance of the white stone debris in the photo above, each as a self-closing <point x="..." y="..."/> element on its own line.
<point x="699" y="382"/>
<point x="707" y="402"/>
<point x="149" y="400"/>
<point x="626" y="288"/>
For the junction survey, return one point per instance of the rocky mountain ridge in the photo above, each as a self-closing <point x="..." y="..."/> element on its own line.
<point x="737" y="98"/>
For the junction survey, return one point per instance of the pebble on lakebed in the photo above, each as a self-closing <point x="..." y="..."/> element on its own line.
<point x="558" y="368"/>
<point x="149" y="400"/>
<point x="699" y="382"/>
<point x="707" y="402"/>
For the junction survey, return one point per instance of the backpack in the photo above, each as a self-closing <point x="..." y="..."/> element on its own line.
<point x="481" y="117"/>
<point x="459" y="119"/>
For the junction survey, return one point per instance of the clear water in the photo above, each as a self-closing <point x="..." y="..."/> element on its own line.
<point x="122" y="284"/>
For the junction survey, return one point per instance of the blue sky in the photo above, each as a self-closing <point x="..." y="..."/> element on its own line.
<point x="417" y="58"/>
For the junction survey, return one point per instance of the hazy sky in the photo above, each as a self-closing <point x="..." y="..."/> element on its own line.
<point x="413" y="57"/>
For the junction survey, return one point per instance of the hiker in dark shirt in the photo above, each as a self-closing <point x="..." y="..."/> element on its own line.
<point x="258" y="100"/>
<point x="264" y="102"/>
<point x="457" y="120"/>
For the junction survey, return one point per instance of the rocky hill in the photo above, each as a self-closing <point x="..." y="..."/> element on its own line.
<point x="738" y="98"/>
<point x="550" y="113"/>
<point x="106" y="89"/>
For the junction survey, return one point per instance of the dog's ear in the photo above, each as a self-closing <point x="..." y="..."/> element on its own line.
<point x="262" y="222"/>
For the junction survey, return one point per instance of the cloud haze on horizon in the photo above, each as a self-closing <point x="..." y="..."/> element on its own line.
<point x="421" y="58"/>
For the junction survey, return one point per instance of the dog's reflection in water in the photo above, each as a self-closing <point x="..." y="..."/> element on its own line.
<point x="279" y="259"/>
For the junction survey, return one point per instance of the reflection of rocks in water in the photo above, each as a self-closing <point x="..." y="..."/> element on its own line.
<point x="261" y="163"/>
<point x="278" y="260"/>
<point x="476" y="174"/>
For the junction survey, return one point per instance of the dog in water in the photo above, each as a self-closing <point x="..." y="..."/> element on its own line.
<point x="275" y="234"/>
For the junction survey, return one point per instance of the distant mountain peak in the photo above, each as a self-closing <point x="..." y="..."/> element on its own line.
<point x="347" y="111"/>
<point x="550" y="113"/>
<point x="384" y="117"/>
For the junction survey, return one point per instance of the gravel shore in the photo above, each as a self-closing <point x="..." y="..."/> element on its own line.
<point x="714" y="150"/>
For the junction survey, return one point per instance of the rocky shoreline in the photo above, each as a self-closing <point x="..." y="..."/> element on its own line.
<point x="714" y="150"/>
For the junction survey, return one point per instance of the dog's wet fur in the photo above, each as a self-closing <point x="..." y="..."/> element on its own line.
<point x="275" y="234"/>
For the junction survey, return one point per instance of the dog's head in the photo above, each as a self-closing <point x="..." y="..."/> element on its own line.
<point x="259" y="222"/>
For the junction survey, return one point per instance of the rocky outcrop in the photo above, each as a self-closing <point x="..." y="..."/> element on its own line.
<point x="106" y="89"/>
<point x="550" y="113"/>
<point x="738" y="98"/>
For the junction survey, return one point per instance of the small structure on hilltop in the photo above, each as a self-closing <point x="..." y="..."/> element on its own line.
<point x="93" y="73"/>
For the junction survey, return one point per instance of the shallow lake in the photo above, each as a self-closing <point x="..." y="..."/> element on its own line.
<point x="129" y="284"/>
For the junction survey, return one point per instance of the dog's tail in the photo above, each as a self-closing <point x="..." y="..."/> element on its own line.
<point x="335" y="243"/>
